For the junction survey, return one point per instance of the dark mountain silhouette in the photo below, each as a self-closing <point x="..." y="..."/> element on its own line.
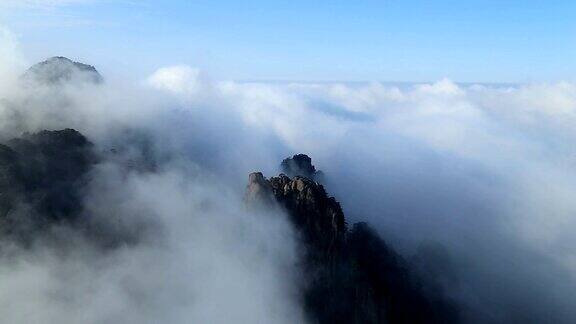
<point x="46" y="173"/>
<point x="353" y="276"/>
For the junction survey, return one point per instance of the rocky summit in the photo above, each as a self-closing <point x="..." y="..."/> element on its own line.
<point x="352" y="275"/>
<point x="301" y="165"/>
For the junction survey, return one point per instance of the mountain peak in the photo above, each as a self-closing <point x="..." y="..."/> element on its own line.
<point x="59" y="69"/>
<point x="300" y="165"/>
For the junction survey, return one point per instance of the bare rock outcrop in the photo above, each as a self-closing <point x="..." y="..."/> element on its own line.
<point x="352" y="275"/>
<point x="301" y="165"/>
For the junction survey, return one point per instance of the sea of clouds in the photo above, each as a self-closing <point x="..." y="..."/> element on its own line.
<point x="487" y="173"/>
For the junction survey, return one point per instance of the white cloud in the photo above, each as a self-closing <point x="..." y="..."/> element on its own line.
<point x="180" y="79"/>
<point x="11" y="62"/>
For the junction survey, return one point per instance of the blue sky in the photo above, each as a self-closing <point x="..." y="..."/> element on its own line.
<point x="386" y="40"/>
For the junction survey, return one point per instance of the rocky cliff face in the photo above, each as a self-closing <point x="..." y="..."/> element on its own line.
<point x="353" y="276"/>
<point x="318" y="217"/>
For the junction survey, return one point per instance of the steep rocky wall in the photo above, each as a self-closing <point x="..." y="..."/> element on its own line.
<point x="353" y="276"/>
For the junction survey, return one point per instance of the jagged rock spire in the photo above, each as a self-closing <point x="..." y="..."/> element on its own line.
<point x="300" y="165"/>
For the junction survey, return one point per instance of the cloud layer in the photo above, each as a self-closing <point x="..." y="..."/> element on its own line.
<point x="485" y="172"/>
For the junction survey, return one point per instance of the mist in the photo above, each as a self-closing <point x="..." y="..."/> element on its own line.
<point x="485" y="174"/>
